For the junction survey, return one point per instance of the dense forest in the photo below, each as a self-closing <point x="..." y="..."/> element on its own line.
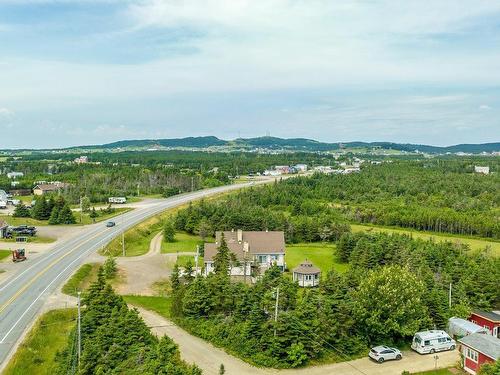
<point x="115" y="340"/>
<point x="394" y="287"/>
<point x="441" y="196"/>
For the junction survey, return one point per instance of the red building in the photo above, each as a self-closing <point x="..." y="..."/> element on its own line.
<point x="488" y="320"/>
<point x="478" y="349"/>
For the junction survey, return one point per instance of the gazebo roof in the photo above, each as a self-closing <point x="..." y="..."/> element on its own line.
<point x="306" y="268"/>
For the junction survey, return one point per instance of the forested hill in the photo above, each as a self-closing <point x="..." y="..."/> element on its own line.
<point x="275" y="143"/>
<point x="293" y="144"/>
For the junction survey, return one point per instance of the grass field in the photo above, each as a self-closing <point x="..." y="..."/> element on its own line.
<point x="443" y="371"/>
<point x="4" y="254"/>
<point x="15" y="221"/>
<point x="184" y="242"/>
<point x="160" y="305"/>
<point x="320" y="254"/>
<point x="474" y="243"/>
<point x="35" y="239"/>
<point x="36" y="354"/>
<point x="81" y="279"/>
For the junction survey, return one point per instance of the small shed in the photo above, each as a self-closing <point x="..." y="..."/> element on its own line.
<point x="478" y="349"/>
<point x="458" y="327"/>
<point x="306" y="274"/>
<point x="3" y="229"/>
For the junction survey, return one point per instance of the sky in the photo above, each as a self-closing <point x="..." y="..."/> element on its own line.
<point x="75" y="72"/>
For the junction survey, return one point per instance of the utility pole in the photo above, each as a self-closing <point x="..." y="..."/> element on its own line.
<point x="276" y="309"/>
<point x="196" y="259"/>
<point x="449" y="297"/>
<point x="123" y="238"/>
<point x="79" y="331"/>
<point x="81" y="211"/>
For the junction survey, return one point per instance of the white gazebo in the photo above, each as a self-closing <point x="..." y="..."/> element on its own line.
<point x="306" y="274"/>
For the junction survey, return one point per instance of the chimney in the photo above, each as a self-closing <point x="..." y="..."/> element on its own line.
<point x="245" y="247"/>
<point x="240" y="235"/>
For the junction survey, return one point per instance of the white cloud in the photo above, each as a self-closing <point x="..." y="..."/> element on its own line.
<point x="484" y="107"/>
<point x="5" y="112"/>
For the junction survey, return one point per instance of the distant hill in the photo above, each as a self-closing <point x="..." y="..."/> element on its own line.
<point x="275" y="143"/>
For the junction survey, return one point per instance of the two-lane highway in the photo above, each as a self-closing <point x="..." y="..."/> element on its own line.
<point x="24" y="293"/>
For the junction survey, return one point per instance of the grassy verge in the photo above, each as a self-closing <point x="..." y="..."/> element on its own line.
<point x="34" y="239"/>
<point x="474" y="243"/>
<point x="138" y="238"/>
<point x="320" y="254"/>
<point x="443" y="371"/>
<point x="86" y="219"/>
<point x="4" y="254"/>
<point x="15" y="221"/>
<point x="159" y="305"/>
<point x="36" y="354"/>
<point x="81" y="279"/>
<point x="184" y="242"/>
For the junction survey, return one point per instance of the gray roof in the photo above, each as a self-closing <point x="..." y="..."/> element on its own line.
<point x="490" y="315"/>
<point x="257" y="242"/>
<point x="483" y="343"/>
<point x="306" y="268"/>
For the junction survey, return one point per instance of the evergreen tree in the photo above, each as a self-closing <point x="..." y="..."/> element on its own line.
<point x="39" y="210"/>
<point x="169" y="232"/>
<point x="21" y="211"/>
<point x="93" y="214"/>
<point x="188" y="271"/>
<point x="222" y="258"/>
<point x="66" y="215"/>
<point x="109" y="267"/>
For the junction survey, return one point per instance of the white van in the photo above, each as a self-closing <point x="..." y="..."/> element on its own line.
<point x="432" y="341"/>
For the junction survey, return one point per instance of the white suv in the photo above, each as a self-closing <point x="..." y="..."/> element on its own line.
<point x="384" y="353"/>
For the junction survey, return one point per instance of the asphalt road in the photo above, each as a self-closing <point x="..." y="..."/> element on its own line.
<point x="24" y="293"/>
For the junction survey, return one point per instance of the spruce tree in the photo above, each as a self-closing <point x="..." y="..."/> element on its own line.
<point x="222" y="258"/>
<point x="66" y="215"/>
<point x="21" y="211"/>
<point x="39" y="210"/>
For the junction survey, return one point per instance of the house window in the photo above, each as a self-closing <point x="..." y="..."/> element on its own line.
<point x="471" y="354"/>
<point x="262" y="258"/>
<point x="274" y="258"/>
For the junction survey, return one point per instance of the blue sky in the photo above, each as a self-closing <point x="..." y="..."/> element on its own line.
<point x="87" y="72"/>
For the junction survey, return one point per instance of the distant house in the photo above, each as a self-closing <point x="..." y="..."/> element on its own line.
<point x="81" y="160"/>
<point x="3" y="196"/>
<point x="255" y="251"/>
<point x="15" y="174"/>
<point x="306" y="274"/>
<point x="487" y="319"/>
<point x="478" y="349"/>
<point x="300" y="167"/>
<point x="117" y="200"/>
<point x="483" y="170"/>
<point x="42" y="189"/>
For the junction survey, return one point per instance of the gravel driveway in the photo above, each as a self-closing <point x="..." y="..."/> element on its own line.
<point x="209" y="358"/>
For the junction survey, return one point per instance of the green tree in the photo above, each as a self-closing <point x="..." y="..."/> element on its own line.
<point x="490" y="368"/>
<point x="109" y="267"/>
<point x="21" y="211"/>
<point x="66" y="215"/>
<point x="85" y="204"/>
<point x="93" y="214"/>
<point x="222" y="259"/>
<point x="389" y="304"/>
<point x="40" y="210"/>
<point x="188" y="271"/>
<point x="169" y="232"/>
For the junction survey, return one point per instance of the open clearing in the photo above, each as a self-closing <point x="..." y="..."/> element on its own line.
<point x="474" y="243"/>
<point x="322" y="255"/>
<point x="184" y="242"/>
<point x="37" y="352"/>
<point x="4" y="254"/>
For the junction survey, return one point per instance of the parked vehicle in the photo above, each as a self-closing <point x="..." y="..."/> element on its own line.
<point x="3" y="204"/>
<point x="117" y="200"/>
<point x="384" y="353"/>
<point x="23" y="230"/>
<point x="18" y="255"/>
<point x="110" y="224"/>
<point x="432" y="341"/>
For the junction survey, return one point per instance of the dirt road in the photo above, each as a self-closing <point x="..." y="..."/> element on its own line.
<point x="209" y="358"/>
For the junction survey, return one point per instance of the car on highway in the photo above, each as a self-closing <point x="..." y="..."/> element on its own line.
<point x="384" y="353"/>
<point x="110" y="224"/>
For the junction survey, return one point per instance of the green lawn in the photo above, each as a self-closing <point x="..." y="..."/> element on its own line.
<point x="184" y="242"/>
<point x="36" y="354"/>
<point x="86" y="219"/>
<point x="160" y="305"/>
<point x="15" y="221"/>
<point x="320" y="254"/>
<point x="81" y="279"/>
<point x="474" y="243"/>
<point x="4" y="254"/>
<point x="443" y="371"/>
<point x="34" y="239"/>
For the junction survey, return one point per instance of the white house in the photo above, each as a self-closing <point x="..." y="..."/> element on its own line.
<point x="15" y="174"/>
<point x="483" y="170"/>
<point x="300" y="167"/>
<point x="255" y="251"/>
